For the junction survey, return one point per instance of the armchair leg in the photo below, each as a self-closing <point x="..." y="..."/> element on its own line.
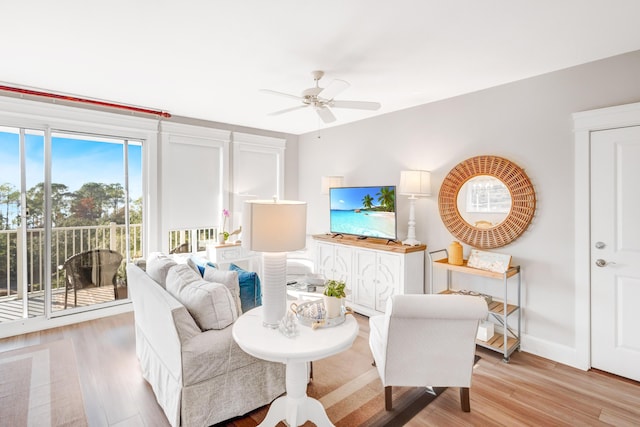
<point x="464" y="399"/>
<point x="387" y="398"/>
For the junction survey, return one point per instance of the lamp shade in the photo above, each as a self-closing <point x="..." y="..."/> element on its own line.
<point x="415" y="183"/>
<point x="330" y="182"/>
<point x="274" y="226"/>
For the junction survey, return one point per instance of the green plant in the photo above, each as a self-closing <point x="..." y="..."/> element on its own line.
<point x="334" y="288"/>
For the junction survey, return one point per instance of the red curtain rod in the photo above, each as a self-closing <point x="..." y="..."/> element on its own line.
<point x="84" y="100"/>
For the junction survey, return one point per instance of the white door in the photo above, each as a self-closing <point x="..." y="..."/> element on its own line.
<point x="615" y="251"/>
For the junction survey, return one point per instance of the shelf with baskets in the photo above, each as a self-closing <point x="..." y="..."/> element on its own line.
<point x="509" y="340"/>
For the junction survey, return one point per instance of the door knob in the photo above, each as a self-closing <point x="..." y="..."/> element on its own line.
<point x="602" y="263"/>
<point x="600" y="245"/>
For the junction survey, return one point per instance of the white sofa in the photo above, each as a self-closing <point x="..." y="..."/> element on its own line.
<point x="199" y="378"/>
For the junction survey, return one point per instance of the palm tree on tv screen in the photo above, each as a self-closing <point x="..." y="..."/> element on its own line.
<point x="367" y="201"/>
<point x="386" y="198"/>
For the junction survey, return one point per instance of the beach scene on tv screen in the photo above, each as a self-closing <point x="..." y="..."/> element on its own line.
<point x="364" y="211"/>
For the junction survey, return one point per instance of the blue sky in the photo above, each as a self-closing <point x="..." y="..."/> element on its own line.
<point x="351" y="197"/>
<point x="74" y="161"/>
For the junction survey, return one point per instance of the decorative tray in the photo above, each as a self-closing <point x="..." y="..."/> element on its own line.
<point x="313" y="314"/>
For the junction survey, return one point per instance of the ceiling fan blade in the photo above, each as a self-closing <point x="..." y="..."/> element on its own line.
<point x="334" y="88"/>
<point x="325" y="114"/>
<point x="360" y="105"/>
<point x="273" y="92"/>
<point x="286" y="110"/>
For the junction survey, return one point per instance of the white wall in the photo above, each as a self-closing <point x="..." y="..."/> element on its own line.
<point x="528" y="122"/>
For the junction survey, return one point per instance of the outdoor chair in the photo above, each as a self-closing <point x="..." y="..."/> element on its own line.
<point x="94" y="268"/>
<point x="181" y="249"/>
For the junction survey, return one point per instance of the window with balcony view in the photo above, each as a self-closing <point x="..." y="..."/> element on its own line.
<point x="70" y="218"/>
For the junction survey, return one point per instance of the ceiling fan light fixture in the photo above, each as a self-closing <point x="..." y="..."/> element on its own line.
<point x="323" y="98"/>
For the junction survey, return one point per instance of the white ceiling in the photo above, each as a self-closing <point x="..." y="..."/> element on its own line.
<point x="207" y="59"/>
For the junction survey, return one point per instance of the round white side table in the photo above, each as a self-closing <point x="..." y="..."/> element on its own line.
<point x="269" y="344"/>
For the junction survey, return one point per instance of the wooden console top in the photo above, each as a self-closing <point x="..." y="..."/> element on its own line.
<point x="369" y="243"/>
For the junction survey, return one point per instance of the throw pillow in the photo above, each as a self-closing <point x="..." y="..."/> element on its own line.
<point x="158" y="265"/>
<point x="210" y="304"/>
<point x="198" y="264"/>
<point x="250" y="292"/>
<point x="179" y="276"/>
<point x="226" y="277"/>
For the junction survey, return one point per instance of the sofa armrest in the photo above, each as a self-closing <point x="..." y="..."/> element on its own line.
<point x="165" y="323"/>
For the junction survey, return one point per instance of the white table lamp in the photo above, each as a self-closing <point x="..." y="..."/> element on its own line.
<point x="274" y="227"/>
<point x="414" y="183"/>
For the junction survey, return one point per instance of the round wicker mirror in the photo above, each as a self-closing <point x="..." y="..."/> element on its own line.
<point x="523" y="202"/>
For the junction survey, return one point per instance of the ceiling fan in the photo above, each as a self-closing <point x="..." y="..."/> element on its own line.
<point x="322" y="99"/>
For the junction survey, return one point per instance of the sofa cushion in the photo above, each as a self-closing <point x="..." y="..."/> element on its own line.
<point x="210" y="304"/>
<point x="198" y="264"/>
<point x="221" y="353"/>
<point x="158" y="266"/>
<point x="250" y="292"/>
<point x="228" y="278"/>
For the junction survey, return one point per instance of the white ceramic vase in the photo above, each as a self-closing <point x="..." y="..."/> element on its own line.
<point x="333" y="305"/>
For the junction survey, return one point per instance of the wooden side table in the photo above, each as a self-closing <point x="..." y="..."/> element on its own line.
<point x="311" y="344"/>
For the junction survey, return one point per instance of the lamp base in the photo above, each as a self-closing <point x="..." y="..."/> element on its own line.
<point x="411" y="229"/>
<point x="274" y="288"/>
<point x="411" y="242"/>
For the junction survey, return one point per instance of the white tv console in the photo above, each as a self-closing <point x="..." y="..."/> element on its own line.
<point x="373" y="269"/>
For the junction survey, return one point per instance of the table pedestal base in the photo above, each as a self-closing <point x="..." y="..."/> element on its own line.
<point x="296" y="407"/>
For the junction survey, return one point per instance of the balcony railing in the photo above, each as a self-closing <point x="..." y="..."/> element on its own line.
<point x="183" y="241"/>
<point x="65" y="242"/>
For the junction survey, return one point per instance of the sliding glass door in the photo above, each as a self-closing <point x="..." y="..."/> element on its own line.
<point x="71" y="216"/>
<point x="96" y="217"/>
<point x="21" y="263"/>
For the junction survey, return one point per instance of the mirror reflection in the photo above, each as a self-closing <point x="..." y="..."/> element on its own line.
<point x="484" y="201"/>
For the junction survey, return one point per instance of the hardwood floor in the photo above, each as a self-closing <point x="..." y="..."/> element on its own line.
<point x="528" y="391"/>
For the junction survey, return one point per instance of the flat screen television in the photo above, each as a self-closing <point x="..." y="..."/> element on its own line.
<point x="364" y="211"/>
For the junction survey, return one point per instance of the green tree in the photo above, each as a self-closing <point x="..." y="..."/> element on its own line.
<point x="59" y="205"/>
<point x="115" y="196"/>
<point x="367" y="201"/>
<point x="35" y="206"/>
<point x="387" y="198"/>
<point x="8" y="196"/>
<point x="88" y="203"/>
<point x="135" y="211"/>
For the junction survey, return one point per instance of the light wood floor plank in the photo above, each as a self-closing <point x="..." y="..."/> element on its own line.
<point x="528" y="391"/>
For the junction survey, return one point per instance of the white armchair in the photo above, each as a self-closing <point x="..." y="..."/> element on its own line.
<point x="427" y="341"/>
